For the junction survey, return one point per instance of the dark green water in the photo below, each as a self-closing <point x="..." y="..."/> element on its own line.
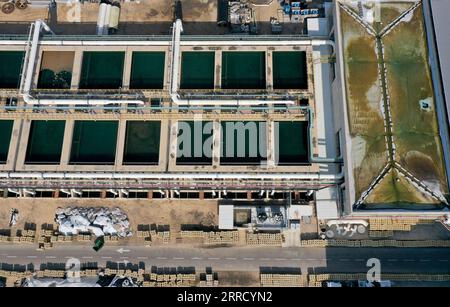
<point x="243" y="70"/>
<point x="45" y="141"/>
<point x="142" y="142"/>
<point x="102" y="70"/>
<point x="49" y="80"/>
<point x="292" y="142"/>
<point x="243" y="143"/>
<point x="5" y="138"/>
<point x="94" y="142"/>
<point x="289" y="70"/>
<point x="10" y="65"/>
<point x="147" y="70"/>
<point x="197" y="70"/>
<point x="191" y="149"/>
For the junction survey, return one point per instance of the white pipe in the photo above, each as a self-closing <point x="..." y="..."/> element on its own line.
<point x="35" y="101"/>
<point x="107" y="19"/>
<point x="242" y="43"/>
<point x="218" y="176"/>
<point x="32" y="57"/>
<point x="101" y="18"/>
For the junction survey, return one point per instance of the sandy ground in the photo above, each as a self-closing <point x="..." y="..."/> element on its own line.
<point x="27" y="15"/>
<point x="58" y="60"/>
<point x="142" y="11"/>
<point x="160" y="212"/>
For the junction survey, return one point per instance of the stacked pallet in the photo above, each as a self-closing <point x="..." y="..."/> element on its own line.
<point x="111" y="239"/>
<point x="221" y="237"/>
<point x="45" y="238"/>
<point x="381" y="233"/>
<point x="154" y="233"/>
<point x="375" y="243"/>
<point x="403" y="224"/>
<point x="264" y="238"/>
<point x="209" y="278"/>
<point x="283" y="280"/>
<point x="169" y="277"/>
<point x="192" y="233"/>
<point x="84" y="237"/>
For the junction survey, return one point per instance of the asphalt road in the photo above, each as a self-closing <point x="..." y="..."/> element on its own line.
<point x="393" y="260"/>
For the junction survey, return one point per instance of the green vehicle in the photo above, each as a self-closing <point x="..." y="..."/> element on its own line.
<point x="98" y="244"/>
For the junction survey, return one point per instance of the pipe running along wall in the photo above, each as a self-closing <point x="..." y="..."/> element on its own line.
<point x="27" y="79"/>
<point x="175" y="72"/>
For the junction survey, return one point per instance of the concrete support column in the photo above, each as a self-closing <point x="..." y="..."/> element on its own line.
<point x="164" y="143"/>
<point x="166" y="83"/>
<point x="271" y="143"/>
<point x="127" y="69"/>
<point x="76" y="70"/>
<point x="67" y="142"/>
<point x="37" y="69"/>
<point x="269" y="70"/>
<point x="216" y="144"/>
<point x="14" y="145"/>
<point x="22" y="144"/>
<point x="173" y="144"/>
<point x="218" y="69"/>
<point x="120" y="145"/>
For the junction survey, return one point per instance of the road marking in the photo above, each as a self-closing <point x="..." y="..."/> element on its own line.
<point x="178" y="258"/>
<point x="249" y="259"/>
<point x="50" y="257"/>
<point x="142" y="258"/>
<point x="161" y="258"/>
<point x="344" y="259"/>
<point x="32" y="257"/>
<point x="294" y="259"/>
<point x="87" y="257"/>
<point x="424" y="260"/>
<point x="123" y="257"/>
<point x="310" y="259"/>
<point x="408" y="260"/>
<point x="443" y="260"/>
<point x="280" y="259"/>
<point x="104" y="257"/>
<point x="11" y="256"/>
<point x="196" y="258"/>
<point x="392" y="260"/>
<point x="214" y="258"/>
<point x="231" y="258"/>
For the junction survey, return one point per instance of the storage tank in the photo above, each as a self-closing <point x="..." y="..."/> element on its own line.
<point x="107" y="18"/>
<point x="114" y="18"/>
<point x="101" y="18"/>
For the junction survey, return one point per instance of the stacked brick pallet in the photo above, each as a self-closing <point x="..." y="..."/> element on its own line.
<point x="284" y="280"/>
<point x="264" y="239"/>
<point x="374" y="243"/>
<point x="316" y="280"/>
<point x="192" y="233"/>
<point x="381" y="233"/>
<point x="221" y="237"/>
<point x="168" y="277"/>
<point x="153" y="233"/>
<point x="403" y="224"/>
<point x="209" y="278"/>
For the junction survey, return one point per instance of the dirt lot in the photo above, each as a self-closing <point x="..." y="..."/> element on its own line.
<point x="160" y="212"/>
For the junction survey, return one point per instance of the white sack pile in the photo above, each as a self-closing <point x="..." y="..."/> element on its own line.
<point x="99" y="221"/>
